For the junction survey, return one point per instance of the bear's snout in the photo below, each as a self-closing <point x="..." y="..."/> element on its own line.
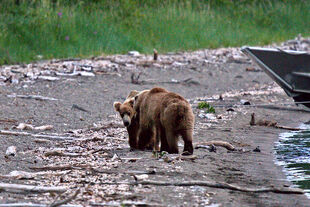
<point x="126" y="120"/>
<point x="126" y="123"/>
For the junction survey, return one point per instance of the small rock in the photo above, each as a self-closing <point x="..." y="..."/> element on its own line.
<point x="134" y="53"/>
<point x="23" y="126"/>
<point x="257" y="149"/>
<point x="245" y="102"/>
<point x="10" y="151"/>
<point x="141" y="177"/>
<point x="212" y="148"/>
<point x="44" y="127"/>
<point x="48" y="78"/>
<point x="86" y="74"/>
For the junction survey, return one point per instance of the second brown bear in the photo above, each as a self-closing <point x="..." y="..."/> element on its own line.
<point x="165" y="116"/>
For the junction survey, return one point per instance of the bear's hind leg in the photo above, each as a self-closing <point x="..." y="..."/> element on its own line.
<point x="187" y="136"/>
<point x="172" y="140"/>
<point x="145" y="139"/>
<point x="163" y="141"/>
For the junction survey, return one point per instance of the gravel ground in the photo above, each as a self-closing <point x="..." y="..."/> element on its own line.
<point x="88" y="144"/>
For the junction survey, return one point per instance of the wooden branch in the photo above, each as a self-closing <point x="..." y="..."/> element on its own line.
<point x="32" y="205"/>
<point x="49" y="136"/>
<point x="29" y="175"/>
<point x="13" y="121"/>
<point x="131" y="172"/>
<point x="268" y="123"/>
<point x="60" y="167"/>
<point x="81" y="167"/>
<point x="227" y="145"/>
<point x="19" y="188"/>
<point x="64" y="154"/>
<point x="66" y="200"/>
<point x="211" y="185"/>
<point x="127" y="203"/>
<point x="35" y="97"/>
<point x="288" y="128"/>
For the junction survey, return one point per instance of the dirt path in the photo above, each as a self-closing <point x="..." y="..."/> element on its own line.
<point x="86" y="102"/>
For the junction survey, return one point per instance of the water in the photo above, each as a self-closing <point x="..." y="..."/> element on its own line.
<point x="293" y="153"/>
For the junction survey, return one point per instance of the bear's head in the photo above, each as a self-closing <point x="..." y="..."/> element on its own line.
<point x="126" y="109"/>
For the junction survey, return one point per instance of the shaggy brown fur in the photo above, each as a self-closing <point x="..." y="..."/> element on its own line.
<point x="131" y="121"/>
<point x="164" y="116"/>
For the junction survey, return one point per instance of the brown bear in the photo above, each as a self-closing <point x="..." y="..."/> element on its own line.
<point x="164" y="116"/>
<point x="129" y="118"/>
<point x="131" y="122"/>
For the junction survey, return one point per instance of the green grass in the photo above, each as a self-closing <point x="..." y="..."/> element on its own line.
<point x="88" y="28"/>
<point x="206" y="106"/>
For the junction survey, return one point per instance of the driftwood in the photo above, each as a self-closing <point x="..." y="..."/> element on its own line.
<point x="227" y="145"/>
<point x="187" y="81"/>
<point x="32" y="205"/>
<point x="107" y="126"/>
<point x="126" y="203"/>
<point x="23" y="126"/>
<point x="155" y="56"/>
<point x="75" y="106"/>
<point x="60" y="167"/>
<point x="66" y="200"/>
<point x="48" y="136"/>
<point x="35" y="97"/>
<point x="211" y="185"/>
<point x="95" y="170"/>
<point x="8" y="121"/>
<point x="269" y="123"/>
<point x="19" y="188"/>
<point x="131" y="172"/>
<point x="29" y="175"/>
<point x="64" y="154"/>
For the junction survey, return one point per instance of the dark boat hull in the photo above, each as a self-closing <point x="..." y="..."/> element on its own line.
<point x="289" y="69"/>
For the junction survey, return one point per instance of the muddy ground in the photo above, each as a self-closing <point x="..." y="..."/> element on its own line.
<point x="86" y="103"/>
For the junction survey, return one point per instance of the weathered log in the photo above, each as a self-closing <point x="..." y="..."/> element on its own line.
<point x="212" y="185"/>
<point x="19" y="188"/>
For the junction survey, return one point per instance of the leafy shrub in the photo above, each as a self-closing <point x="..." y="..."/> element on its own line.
<point x="208" y="108"/>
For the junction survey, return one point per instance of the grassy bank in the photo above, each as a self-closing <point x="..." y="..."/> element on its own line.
<point x="84" y="28"/>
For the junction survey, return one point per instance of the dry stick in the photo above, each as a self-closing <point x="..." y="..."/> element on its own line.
<point x="288" y="128"/>
<point x="227" y="145"/>
<point x="81" y="167"/>
<point x="8" y="121"/>
<point x="6" y="132"/>
<point x="60" y="167"/>
<point x="29" y="175"/>
<point x="133" y="172"/>
<point x="64" y="154"/>
<point x="18" y="188"/>
<point x="268" y="123"/>
<point x="211" y="185"/>
<point x="127" y="203"/>
<point x="36" y="97"/>
<point x="32" y="205"/>
<point x="66" y="200"/>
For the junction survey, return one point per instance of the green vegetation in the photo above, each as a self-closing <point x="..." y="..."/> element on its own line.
<point x="208" y="108"/>
<point x="61" y="28"/>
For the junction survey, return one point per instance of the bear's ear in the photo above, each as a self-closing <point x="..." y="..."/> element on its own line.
<point x="131" y="102"/>
<point x="132" y="94"/>
<point x="117" y="105"/>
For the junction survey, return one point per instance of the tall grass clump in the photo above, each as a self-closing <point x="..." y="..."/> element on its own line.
<point x="30" y="29"/>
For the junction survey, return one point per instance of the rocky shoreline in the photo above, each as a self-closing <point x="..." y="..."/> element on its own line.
<point x="86" y="150"/>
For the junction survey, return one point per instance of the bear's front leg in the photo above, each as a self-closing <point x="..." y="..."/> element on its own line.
<point x="133" y="136"/>
<point x="145" y="138"/>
